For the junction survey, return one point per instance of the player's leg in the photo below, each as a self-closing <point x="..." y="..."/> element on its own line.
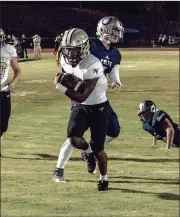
<point x="5" y="106"/>
<point x="98" y="127"/>
<point x="78" y="124"/>
<point x="66" y="151"/>
<point x="113" y="129"/>
<point x="39" y="51"/>
<point x="76" y="127"/>
<point x="25" y="49"/>
<point x="35" y="51"/>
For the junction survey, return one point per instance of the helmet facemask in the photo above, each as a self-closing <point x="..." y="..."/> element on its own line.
<point x="146" y="116"/>
<point x="74" y="54"/>
<point x="146" y="111"/>
<point x="113" y="35"/>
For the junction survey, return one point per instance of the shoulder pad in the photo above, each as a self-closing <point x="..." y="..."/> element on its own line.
<point x="88" y="61"/>
<point x="10" y="49"/>
<point x="158" y="117"/>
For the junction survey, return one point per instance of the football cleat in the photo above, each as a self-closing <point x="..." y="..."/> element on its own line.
<point x="58" y="175"/>
<point x="90" y="160"/>
<point x="103" y="185"/>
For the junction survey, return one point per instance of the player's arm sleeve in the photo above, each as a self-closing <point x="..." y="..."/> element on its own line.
<point x="114" y="75"/>
<point x="118" y="58"/>
<point x="148" y="128"/>
<point x="159" y="119"/>
<point x="169" y="133"/>
<point x="94" y="71"/>
<point x="12" y="52"/>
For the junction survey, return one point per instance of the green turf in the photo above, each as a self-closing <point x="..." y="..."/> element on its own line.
<point x="144" y="180"/>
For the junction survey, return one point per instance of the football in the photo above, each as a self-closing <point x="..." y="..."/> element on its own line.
<point x="69" y="80"/>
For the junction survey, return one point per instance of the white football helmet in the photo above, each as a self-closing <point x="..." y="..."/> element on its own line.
<point x="75" y="46"/>
<point x="110" y="29"/>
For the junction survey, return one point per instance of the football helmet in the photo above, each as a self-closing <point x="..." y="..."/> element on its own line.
<point x="2" y="37"/>
<point x="75" y="46"/>
<point x="146" y="110"/>
<point x="110" y="29"/>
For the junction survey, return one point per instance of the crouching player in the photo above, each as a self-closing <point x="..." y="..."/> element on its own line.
<point x="159" y="124"/>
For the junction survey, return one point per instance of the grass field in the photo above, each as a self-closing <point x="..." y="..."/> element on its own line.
<point x="144" y="180"/>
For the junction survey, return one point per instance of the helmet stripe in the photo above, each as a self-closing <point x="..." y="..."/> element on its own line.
<point x="69" y="36"/>
<point x="72" y="34"/>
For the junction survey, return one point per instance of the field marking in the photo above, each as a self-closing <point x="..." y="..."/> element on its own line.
<point x="53" y="116"/>
<point x="128" y="66"/>
<point x="37" y="81"/>
<point x="24" y="93"/>
<point x="69" y="171"/>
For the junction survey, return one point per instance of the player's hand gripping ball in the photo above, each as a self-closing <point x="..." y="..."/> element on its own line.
<point x="70" y="81"/>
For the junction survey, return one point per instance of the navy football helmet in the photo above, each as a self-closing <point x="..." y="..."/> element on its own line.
<point x="146" y="110"/>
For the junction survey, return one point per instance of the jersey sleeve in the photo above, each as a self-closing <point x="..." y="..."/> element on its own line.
<point x="114" y="75"/>
<point x="158" y="118"/>
<point x="12" y="51"/>
<point x="118" y="57"/>
<point x="149" y="129"/>
<point x="94" y="71"/>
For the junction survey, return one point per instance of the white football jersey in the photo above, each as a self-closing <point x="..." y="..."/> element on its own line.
<point x="89" y="68"/>
<point x="7" y="52"/>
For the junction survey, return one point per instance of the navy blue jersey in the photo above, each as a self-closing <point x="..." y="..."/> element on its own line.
<point x="109" y="58"/>
<point x="156" y="128"/>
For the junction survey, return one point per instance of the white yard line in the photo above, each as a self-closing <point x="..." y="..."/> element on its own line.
<point x="81" y="172"/>
<point x="37" y="81"/>
<point x="24" y="93"/>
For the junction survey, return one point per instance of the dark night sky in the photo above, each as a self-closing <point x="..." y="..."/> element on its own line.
<point x="172" y="7"/>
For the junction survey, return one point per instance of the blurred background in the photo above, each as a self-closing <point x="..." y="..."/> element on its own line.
<point x="144" y="22"/>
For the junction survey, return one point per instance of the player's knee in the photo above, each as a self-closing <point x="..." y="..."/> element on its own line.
<point x="114" y="127"/>
<point x="4" y="128"/>
<point x="117" y="131"/>
<point x="114" y="132"/>
<point x="77" y="142"/>
<point x="101" y="155"/>
<point x="97" y="147"/>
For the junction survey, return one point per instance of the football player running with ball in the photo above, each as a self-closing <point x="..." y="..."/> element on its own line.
<point x="109" y="32"/>
<point x="90" y="105"/>
<point x="159" y="124"/>
<point x="8" y="57"/>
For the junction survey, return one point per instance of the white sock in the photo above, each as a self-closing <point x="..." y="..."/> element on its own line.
<point x="89" y="150"/>
<point x="64" y="154"/>
<point x="108" y="139"/>
<point x="105" y="178"/>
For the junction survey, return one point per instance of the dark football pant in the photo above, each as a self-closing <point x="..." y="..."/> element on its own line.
<point x="113" y="129"/>
<point x="5" y="109"/>
<point x="94" y="117"/>
<point x="24" y="50"/>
